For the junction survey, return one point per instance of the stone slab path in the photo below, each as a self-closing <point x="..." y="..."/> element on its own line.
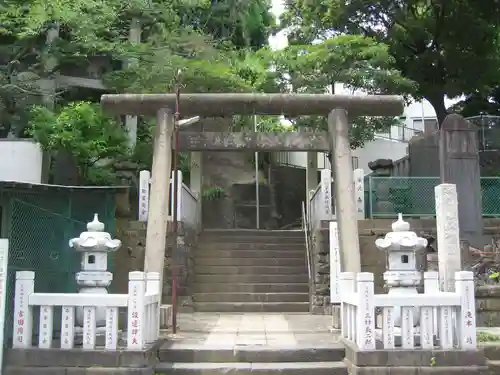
<point x="253" y="329"/>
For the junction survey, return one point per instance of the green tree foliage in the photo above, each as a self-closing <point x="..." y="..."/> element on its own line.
<point x="238" y="23"/>
<point x="480" y="103"/>
<point x="447" y="47"/>
<point x="358" y="62"/>
<point x="176" y="35"/>
<point x="83" y="132"/>
<point x="217" y="46"/>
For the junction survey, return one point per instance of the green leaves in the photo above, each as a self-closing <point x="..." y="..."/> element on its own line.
<point x="359" y="63"/>
<point x="81" y="129"/>
<point x="447" y="47"/>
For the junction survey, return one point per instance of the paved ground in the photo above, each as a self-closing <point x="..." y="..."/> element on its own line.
<point x="223" y="329"/>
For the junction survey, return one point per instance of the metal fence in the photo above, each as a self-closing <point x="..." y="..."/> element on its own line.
<point x="39" y="226"/>
<point x="488" y="131"/>
<point x="414" y="196"/>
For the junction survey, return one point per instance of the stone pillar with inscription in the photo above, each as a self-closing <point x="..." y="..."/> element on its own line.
<point x="381" y="187"/>
<point x="311" y="173"/>
<point x="448" y="237"/>
<point x="359" y="192"/>
<point x="459" y="149"/>
<point x="196" y="179"/>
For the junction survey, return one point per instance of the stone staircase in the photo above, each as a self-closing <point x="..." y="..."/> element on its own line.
<point x="492" y="354"/>
<point x="192" y="359"/>
<point x="251" y="271"/>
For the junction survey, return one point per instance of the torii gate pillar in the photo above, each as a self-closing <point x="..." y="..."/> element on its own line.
<point x="347" y="217"/>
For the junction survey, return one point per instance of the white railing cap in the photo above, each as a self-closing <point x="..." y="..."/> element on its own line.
<point x="153" y="276"/>
<point x="365" y="276"/>
<point x="136" y="275"/>
<point x="464" y="275"/>
<point x="431" y="275"/>
<point x="346" y="276"/>
<point x="25" y="275"/>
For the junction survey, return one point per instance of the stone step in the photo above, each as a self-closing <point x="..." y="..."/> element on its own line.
<point x="249" y="270"/>
<point x="189" y="353"/>
<point x="247" y="279"/>
<point x="225" y="287"/>
<point x="491" y="350"/>
<point x="237" y="261"/>
<point x="91" y="370"/>
<point x="270" y="307"/>
<point x="201" y="253"/>
<point x="235" y="245"/>
<point x="294" y="233"/>
<point x="493" y="366"/>
<point x="247" y="368"/>
<point x="250" y="297"/>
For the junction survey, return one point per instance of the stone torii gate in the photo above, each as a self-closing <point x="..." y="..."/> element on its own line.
<point x="336" y="140"/>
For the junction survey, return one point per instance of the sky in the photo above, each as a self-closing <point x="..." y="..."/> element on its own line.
<point x="280" y="41"/>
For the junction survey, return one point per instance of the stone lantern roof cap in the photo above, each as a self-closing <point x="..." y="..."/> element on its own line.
<point x="400" y="225"/>
<point x="95" y="225"/>
<point x="401" y="238"/>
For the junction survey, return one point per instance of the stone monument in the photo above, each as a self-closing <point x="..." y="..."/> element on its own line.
<point x="94" y="245"/>
<point x="380" y="189"/>
<point x="402" y="275"/>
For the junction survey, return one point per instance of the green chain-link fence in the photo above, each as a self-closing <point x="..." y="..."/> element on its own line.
<point x="414" y="196"/>
<point x="39" y="227"/>
<point x="490" y="188"/>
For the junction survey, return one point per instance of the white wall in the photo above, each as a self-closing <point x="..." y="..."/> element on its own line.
<point x="299" y="159"/>
<point x="379" y="149"/>
<point x="417" y="111"/>
<point x="20" y="160"/>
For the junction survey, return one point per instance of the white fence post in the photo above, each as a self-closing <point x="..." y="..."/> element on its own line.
<point x="4" y="261"/>
<point x="359" y="192"/>
<point x="153" y="287"/>
<point x="46" y="327"/>
<point x="310" y="209"/>
<point x="111" y="328"/>
<point x="89" y="327"/>
<point x="67" y="327"/>
<point x="464" y="285"/>
<point x="136" y="323"/>
<point x="23" y="315"/>
<point x="144" y="181"/>
<point x="428" y="314"/>
<point x="431" y="286"/>
<point x="326" y="195"/>
<point x="179" y="194"/>
<point x="365" y="316"/>
<point x="335" y="274"/>
<point x="347" y="322"/>
<point x="335" y="268"/>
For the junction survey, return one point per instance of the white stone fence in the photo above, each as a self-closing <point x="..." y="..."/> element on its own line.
<point x="321" y="206"/>
<point x="448" y="316"/>
<point x="187" y="201"/>
<point x="142" y="304"/>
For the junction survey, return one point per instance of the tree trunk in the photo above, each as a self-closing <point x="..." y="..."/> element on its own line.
<point x="437" y="101"/>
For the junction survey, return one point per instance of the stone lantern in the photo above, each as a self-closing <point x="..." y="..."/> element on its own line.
<point x="94" y="245"/>
<point x="402" y="275"/>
